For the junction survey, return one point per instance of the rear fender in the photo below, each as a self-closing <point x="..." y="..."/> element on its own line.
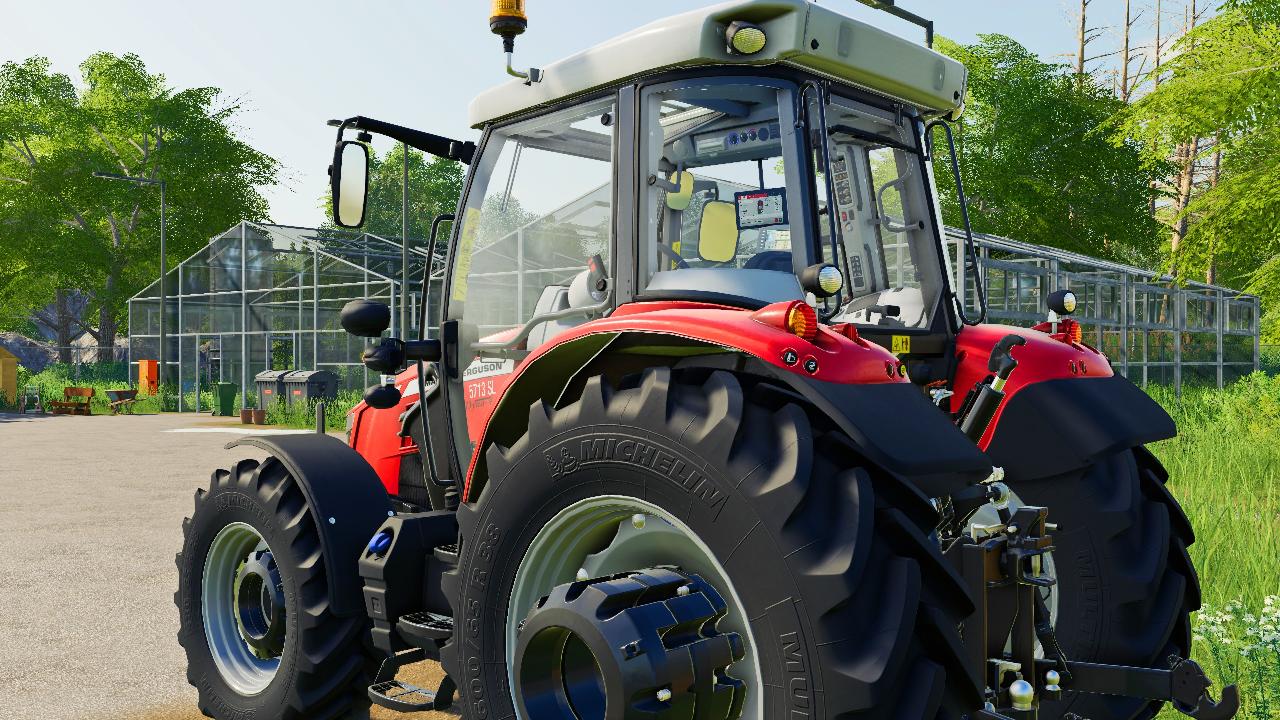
<point x="347" y="499"/>
<point x="892" y="423"/>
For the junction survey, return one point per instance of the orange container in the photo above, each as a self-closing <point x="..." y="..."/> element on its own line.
<point x="148" y="377"/>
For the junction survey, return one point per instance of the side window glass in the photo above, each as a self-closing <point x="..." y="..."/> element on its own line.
<point x="534" y="246"/>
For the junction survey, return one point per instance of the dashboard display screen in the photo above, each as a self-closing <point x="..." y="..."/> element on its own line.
<point x="761" y="208"/>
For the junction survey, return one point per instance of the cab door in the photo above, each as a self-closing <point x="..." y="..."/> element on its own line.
<point x="533" y="253"/>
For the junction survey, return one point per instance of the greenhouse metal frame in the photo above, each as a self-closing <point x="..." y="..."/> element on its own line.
<point x="1152" y="328"/>
<point x="267" y="297"/>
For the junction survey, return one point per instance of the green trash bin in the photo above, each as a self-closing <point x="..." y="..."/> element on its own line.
<point x="224" y="398"/>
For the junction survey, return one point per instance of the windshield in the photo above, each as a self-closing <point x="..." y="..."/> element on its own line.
<point x="723" y="195"/>
<point x="887" y="237"/>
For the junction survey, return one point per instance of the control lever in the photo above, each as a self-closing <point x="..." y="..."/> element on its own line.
<point x="1002" y="364"/>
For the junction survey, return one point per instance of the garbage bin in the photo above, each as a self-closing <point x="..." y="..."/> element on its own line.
<point x="270" y="384"/>
<point x="307" y="385"/>
<point x="224" y="399"/>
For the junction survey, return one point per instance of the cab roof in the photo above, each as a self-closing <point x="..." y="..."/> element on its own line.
<point x="800" y="34"/>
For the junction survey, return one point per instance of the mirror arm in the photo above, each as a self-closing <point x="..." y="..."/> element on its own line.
<point x="463" y="152"/>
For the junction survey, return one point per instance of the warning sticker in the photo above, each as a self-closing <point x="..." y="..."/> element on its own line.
<point x="901" y="344"/>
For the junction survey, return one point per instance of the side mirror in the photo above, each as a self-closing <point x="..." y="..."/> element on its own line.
<point x="349" y="181"/>
<point x="365" y="318"/>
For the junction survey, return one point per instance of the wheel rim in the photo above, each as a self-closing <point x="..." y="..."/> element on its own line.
<point x="613" y="534"/>
<point x="243" y="606"/>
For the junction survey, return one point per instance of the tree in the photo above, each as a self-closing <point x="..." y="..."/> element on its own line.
<point x="1034" y="166"/>
<point x="1223" y="83"/>
<point x="64" y="229"/>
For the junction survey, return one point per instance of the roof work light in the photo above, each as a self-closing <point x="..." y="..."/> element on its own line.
<point x="745" y="38"/>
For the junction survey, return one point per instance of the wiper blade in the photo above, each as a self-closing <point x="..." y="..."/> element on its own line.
<point x="871" y="137"/>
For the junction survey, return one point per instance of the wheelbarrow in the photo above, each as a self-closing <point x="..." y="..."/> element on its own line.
<point x="121" y="400"/>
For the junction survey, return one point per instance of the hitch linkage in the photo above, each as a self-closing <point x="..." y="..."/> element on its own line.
<point x="1004" y="569"/>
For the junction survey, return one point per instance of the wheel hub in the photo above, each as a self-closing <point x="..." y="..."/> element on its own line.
<point x="259" y="604"/>
<point x="642" y="641"/>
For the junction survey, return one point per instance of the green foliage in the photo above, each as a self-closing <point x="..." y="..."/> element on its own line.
<point x="1032" y="164"/>
<point x="302" y="415"/>
<point x="1224" y="468"/>
<point x="60" y="227"/>
<point x="1224" y="81"/>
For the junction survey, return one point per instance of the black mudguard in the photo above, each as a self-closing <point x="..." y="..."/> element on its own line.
<point x="1058" y="426"/>
<point x="897" y="428"/>
<point x="348" y="499"/>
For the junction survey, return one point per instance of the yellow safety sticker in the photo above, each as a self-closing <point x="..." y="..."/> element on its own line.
<point x="901" y="344"/>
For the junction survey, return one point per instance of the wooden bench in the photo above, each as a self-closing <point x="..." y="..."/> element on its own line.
<point x="122" y="400"/>
<point x="75" y="402"/>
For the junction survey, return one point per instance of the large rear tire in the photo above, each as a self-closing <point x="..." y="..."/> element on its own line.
<point x="1126" y="584"/>
<point x="850" y="610"/>
<point x="294" y="661"/>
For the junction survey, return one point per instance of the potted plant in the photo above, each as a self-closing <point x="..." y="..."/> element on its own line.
<point x="259" y="416"/>
<point x="246" y="412"/>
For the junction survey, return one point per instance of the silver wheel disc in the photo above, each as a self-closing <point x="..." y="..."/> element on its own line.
<point x="613" y="534"/>
<point x="243" y="669"/>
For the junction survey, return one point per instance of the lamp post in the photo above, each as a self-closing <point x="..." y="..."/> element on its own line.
<point x="164" y="300"/>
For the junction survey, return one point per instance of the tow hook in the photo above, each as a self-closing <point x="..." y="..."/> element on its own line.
<point x="1003" y="572"/>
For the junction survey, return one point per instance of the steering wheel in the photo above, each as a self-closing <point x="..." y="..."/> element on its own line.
<point x="680" y="262"/>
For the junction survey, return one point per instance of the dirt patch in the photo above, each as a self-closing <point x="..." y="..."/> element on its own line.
<point x="427" y="674"/>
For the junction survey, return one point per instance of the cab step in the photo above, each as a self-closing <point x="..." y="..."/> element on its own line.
<point x="425" y="629"/>
<point x="403" y="697"/>
<point x="447" y="553"/>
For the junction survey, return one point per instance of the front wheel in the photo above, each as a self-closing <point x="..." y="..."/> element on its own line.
<point x="255" y="623"/>
<point x="696" y="544"/>
<point x="1126" y="584"/>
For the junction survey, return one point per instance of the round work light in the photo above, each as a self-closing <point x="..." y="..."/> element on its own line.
<point x="745" y="38"/>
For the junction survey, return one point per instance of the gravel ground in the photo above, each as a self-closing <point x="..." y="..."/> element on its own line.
<point x="90" y="521"/>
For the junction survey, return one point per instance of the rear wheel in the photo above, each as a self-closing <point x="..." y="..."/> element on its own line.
<point x="688" y="541"/>
<point x="252" y="598"/>
<point x="1126" y="584"/>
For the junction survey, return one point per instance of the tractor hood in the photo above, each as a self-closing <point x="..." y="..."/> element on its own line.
<point x="799" y="33"/>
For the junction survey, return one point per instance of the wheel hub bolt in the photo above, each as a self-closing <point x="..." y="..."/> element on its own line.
<point x="583" y="576"/>
<point x="664" y="695"/>
<point x="638" y="521"/>
<point x="683" y="590"/>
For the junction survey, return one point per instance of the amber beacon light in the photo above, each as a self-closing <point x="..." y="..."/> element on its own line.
<point x="508" y="19"/>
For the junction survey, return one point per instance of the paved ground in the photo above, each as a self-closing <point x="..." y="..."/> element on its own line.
<point x="90" y="514"/>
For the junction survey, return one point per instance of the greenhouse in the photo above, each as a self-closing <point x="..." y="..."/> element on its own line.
<point x="267" y="297"/>
<point x="1153" y="329"/>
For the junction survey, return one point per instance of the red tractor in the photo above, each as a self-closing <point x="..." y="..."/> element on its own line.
<point x="702" y="428"/>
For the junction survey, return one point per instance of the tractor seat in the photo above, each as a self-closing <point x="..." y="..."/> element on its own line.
<point x="777" y="260"/>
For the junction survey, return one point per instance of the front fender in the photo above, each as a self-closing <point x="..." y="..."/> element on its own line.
<point x="347" y="499"/>
<point x="1055" y="426"/>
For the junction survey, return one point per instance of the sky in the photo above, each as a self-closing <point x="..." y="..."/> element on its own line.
<point x="293" y="64"/>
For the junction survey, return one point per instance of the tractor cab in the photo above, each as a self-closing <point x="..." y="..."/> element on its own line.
<point x="731" y="157"/>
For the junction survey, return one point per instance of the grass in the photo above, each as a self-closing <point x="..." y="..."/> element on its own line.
<point x="1223" y="468"/>
<point x="115" y="376"/>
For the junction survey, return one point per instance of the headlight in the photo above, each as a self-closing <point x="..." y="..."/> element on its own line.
<point x="1062" y="302"/>
<point x="745" y="38"/>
